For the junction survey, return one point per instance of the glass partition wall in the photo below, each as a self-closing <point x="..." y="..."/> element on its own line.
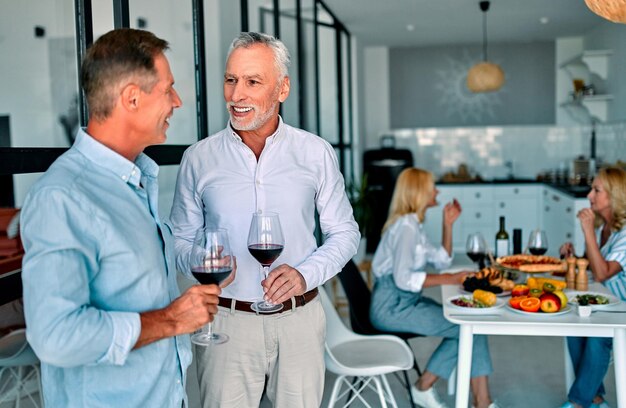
<point x="41" y="106"/>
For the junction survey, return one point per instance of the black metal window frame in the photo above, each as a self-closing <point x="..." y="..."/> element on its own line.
<point x="21" y="160"/>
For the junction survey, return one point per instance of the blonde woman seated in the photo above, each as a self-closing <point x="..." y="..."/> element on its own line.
<point x="604" y="228"/>
<point x="397" y="302"/>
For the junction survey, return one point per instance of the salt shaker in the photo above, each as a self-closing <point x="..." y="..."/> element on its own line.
<point x="570" y="276"/>
<point x="582" y="281"/>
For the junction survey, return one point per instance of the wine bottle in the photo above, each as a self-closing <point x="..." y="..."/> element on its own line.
<point x="502" y="240"/>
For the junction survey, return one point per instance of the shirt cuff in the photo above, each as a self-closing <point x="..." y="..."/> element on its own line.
<point x="416" y="281"/>
<point x="126" y="329"/>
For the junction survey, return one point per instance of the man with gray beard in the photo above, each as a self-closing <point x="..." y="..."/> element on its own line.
<point x="259" y="164"/>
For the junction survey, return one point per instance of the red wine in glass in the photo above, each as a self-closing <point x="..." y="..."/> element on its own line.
<point x="211" y="275"/>
<point x="265" y="243"/>
<point x="476" y="248"/>
<point x="537" y="242"/>
<point x="211" y="263"/>
<point x="478" y="257"/>
<point x="265" y="254"/>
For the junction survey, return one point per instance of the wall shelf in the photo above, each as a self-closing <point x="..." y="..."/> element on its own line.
<point x="594" y="61"/>
<point x="595" y="105"/>
<point x="592" y="68"/>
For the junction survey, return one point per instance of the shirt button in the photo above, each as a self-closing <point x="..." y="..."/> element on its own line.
<point x="260" y="211"/>
<point x="133" y="172"/>
<point x="258" y="182"/>
<point x="124" y="178"/>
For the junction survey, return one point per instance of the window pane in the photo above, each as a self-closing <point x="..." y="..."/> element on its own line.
<point x="39" y="80"/>
<point x="328" y="84"/>
<point x="289" y="35"/>
<point x="172" y="21"/>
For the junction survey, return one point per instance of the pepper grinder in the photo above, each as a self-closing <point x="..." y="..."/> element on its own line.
<point x="582" y="281"/>
<point x="570" y="276"/>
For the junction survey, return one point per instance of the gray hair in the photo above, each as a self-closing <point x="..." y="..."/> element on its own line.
<point x="282" y="59"/>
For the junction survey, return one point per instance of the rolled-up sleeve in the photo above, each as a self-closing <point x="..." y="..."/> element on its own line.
<point x="63" y="327"/>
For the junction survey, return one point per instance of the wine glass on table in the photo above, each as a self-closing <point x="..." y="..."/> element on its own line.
<point x="476" y="249"/>
<point x="265" y="243"/>
<point x="537" y="242"/>
<point x="211" y="262"/>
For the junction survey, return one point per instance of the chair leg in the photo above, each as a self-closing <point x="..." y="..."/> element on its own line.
<point x="415" y="365"/>
<point x="408" y="387"/>
<point x="335" y="391"/>
<point x="359" y="384"/>
<point x="381" y="393"/>
<point x="392" y="399"/>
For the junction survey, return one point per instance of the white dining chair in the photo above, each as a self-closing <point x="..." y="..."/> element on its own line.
<point x="19" y="370"/>
<point x="366" y="358"/>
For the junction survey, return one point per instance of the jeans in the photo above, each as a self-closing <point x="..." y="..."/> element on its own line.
<point x="393" y="309"/>
<point x="590" y="358"/>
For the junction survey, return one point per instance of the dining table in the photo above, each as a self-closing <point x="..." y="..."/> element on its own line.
<point x="609" y="321"/>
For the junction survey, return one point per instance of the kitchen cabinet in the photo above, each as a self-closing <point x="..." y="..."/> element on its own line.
<point x="520" y="205"/>
<point x="482" y="206"/>
<point x="560" y="221"/>
<point x="524" y="206"/>
<point x="557" y="219"/>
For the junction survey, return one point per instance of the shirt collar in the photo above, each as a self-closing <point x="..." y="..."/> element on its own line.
<point x="270" y="139"/>
<point x="104" y="157"/>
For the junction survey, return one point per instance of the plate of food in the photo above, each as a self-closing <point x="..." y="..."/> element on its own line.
<point x="596" y="300"/>
<point x="540" y="313"/>
<point x="477" y="303"/>
<point x="489" y="279"/>
<point x="531" y="263"/>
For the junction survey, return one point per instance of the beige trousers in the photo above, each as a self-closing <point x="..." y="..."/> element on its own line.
<point x="286" y="348"/>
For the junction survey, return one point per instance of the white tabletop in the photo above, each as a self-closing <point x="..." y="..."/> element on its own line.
<point x="503" y="321"/>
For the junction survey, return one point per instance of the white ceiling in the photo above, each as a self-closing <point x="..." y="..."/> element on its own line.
<point x="437" y="22"/>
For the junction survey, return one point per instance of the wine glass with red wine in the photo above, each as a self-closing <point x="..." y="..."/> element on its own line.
<point x="537" y="242"/>
<point x="211" y="262"/>
<point x="265" y="243"/>
<point x="476" y="249"/>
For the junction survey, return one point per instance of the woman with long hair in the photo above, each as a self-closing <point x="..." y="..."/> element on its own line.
<point x="399" y="265"/>
<point x="604" y="229"/>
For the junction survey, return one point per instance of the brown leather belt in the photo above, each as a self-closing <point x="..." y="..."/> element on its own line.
<point x="245" y="306"/>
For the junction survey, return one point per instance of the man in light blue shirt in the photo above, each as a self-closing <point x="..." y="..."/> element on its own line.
<point x="103" y="311"/>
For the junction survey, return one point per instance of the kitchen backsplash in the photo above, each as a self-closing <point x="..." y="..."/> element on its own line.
<point x="530" y="149"/>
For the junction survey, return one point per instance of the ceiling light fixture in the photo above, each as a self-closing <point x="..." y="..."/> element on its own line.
<point x="485" y="76"/>
<point x="613" y="10"/>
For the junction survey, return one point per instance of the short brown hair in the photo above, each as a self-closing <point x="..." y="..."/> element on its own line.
<point x="116" y="59"/>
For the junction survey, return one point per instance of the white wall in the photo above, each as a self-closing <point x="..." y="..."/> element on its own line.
<point x="375" y="94"/>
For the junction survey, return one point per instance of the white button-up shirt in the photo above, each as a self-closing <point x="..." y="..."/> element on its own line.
<point x="221" y="183"/>
<point x="404" y="251"/>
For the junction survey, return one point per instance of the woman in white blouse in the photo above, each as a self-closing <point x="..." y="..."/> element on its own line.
<point x="397" y="302"/>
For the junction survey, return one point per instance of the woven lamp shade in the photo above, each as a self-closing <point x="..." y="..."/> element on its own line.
<point x="613" y="10"/>
<point x="485" y="77"/>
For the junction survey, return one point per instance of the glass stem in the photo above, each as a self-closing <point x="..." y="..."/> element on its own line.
<point x="209" y="330"/>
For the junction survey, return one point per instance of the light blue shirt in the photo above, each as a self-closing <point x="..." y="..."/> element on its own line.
<point x="96" y="256"/>
<point x="404" y="251"/>
<point x="615" y="250"/>
<point x="221" y="183"/>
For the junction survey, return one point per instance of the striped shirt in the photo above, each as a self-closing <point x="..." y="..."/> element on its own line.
<point x="615" y="250"/>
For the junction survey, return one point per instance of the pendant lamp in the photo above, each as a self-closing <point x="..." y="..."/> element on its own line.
<point x="485" y="76"/>
<point x="613" y="10"/>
